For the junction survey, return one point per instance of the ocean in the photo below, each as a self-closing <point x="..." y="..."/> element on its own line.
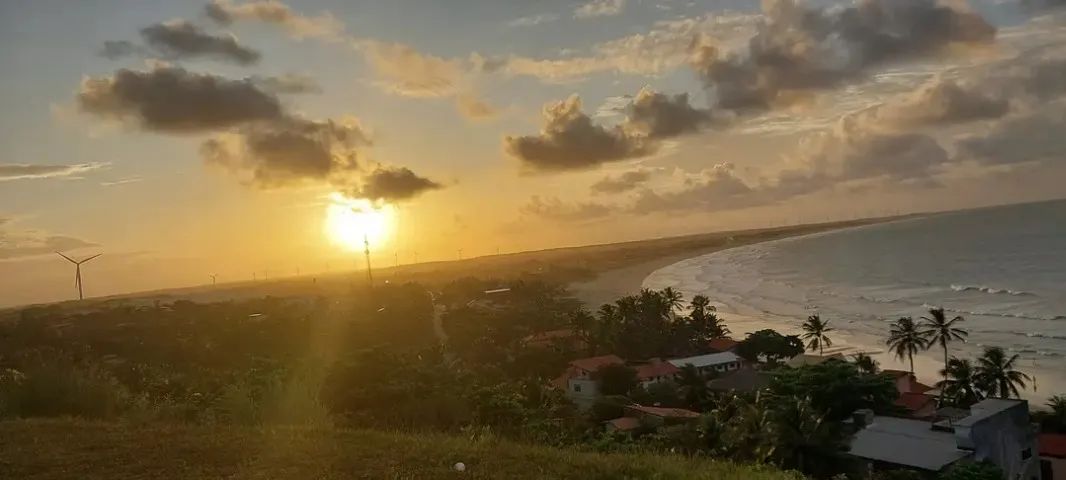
<point x="1003" y="269"/>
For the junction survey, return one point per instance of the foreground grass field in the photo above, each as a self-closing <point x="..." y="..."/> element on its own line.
<point x="69" y="449"/>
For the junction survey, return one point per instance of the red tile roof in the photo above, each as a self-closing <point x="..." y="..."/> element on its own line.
<point x="592" y="364"/>
<point x="722" y="344"/>
<point x="895" y="373"/>
<point x="665" y="412"/>
<point x="1052" y="445"/>
<point x="914" y="401"/>
<point x="625" y="423"/>
<point x="656" y="368"/>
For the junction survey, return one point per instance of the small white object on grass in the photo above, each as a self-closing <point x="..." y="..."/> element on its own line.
<point x="460" y="467"/>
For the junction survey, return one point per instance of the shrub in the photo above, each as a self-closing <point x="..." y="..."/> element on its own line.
<point x="59" y="386"/>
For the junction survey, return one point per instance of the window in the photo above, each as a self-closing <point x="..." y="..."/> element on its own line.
<point x="1027" y="453"/>
<point x="577" y="388"/>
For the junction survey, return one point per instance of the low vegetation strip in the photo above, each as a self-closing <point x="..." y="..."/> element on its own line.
<point x="64" y="449"/>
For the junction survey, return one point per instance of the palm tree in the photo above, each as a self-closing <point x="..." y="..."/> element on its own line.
<point x="959" y="386"/>
<point x="996" y="375"/>
<point x="1055" y="420"/>
<point x="905" y="340"/>
<point x="865" y="363"/>
<point x="942" y="331"/>
<point x="672" y="297"/>
<point x="814" y="331"/>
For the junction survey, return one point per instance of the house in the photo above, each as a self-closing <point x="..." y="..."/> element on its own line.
<point x="638" y="416"/>
<point x="915" y="397"/>
<point x="1052" y="455"/>
<point x="581" y="386"/>
<point x="712" y="362"/>
<point x="995" y="430"/>
<point x="744" y="379"/>
<point x="804" y="359"/>
<point x="724" y="344"/>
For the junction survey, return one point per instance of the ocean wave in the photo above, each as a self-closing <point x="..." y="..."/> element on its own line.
<point x="1000" y="314"/>
<point x="1044" y="335"/>
<point x="990" y="290"/>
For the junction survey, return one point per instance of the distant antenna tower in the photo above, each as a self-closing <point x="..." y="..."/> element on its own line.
<point x="77" y="271"/>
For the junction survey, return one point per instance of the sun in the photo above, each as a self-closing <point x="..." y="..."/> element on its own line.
<point x="349" y="221"/>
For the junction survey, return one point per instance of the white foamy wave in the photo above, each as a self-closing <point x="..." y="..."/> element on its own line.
<point x="1045" y="335"/>
<point x="990" y="290"/>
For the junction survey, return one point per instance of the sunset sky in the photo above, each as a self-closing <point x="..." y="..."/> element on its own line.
<point x="188" y="138"/>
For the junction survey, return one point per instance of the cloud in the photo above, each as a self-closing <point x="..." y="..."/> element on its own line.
<point x="25" y="243"/>
<point x="408" y="72"/>
<point x="171" y="99"/>
<point x="666" y="46"/>
<point x="944" y="101"/>
<point x="472" y="107"/>
<point x="287" y="84"/>
<point x="115" y="49"/>
<point x="533" y="20"/>
<point x="570" y="140"/>
<point x="324" y="26"/>
<point x="623" y="182"/>
<point x="1029" y="137"/>
<point x="657" y="115"/>
<point x="121" y="181"/>
<point x="289" y="151"/>
<point x="554" y="209"/>
<point x="713" y="189"/>
<point x="179" y="39"/>
<point x="600" y="8"/>
<point x="392" y="184"/>
<point x="797" y="49"/>
<point x="24" y="171"/>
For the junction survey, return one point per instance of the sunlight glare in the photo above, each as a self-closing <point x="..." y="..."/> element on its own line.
<point x="348" y="220"/>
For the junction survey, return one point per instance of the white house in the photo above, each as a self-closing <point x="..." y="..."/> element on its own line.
<point x="712" y="362"/>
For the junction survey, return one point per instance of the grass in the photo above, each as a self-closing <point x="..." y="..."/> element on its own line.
<point x="64" y="449"/>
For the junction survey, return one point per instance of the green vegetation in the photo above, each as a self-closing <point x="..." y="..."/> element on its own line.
<point x="61" y="449"/>
<point x="814" y="331"/>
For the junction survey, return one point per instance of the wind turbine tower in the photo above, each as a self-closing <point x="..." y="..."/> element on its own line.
<point x="366" y="250"/>
<point x="77" y="271"/>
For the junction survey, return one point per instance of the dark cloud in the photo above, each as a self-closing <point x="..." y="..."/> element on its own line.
<point x="24" y="171"/>
<point x="289" y="151"/>
<point x="171" y="99"/>
<point x="554" y="209"/>
<point x="15" y="244"/>
<point x="1031" y="137"/>
<point x="180" y="39"/>
<point x="944" y="101"/>
<point x="622" y="183"/>
<point x="657" y="115"/>
<point x="799" y="48"/>
<point x="392" y="184"/>
<point x="570" y="140"/>
<point x="115" y="49"/>
<point x="717" y="188"/>
<point x="288" y="84"/>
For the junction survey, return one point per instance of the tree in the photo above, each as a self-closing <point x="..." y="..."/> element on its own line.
<point x="704" y="321"/>
<point x="941" y="331"/>
<point x="836" y="388"/>
<point x="972" y="471"/>
<point x="1055" y="420"/>
<point x="616" y="379"/>
<point x="905" y="340"/>
<point x="996" y="376"/>
<point x="865" y="363"/>
<point x="959" y="385"/>
<point x="693" y="387"/>
<point x="672" y="298"/>
<point x="814" y="330"/>
<point x="804" y="439"/>
<point x="770" y="345"/>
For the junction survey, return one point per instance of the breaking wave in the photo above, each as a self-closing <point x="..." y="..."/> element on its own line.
<point x="990" y="290"/>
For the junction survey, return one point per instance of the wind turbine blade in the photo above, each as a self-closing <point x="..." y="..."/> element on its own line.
<point x="71" y="260"/>
<point x="90" y="258"/>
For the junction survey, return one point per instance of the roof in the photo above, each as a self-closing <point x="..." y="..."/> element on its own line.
<point x="710" y="359"/>
<point x="804" y="359"/>
<point x="545" y="338"/>
<point x="724" y="344"/>
<point x="655" y="368"/>
<point x="742" y="380"/>
<point x="914" y="402"/>
<point x="912" y="386"/>
<point x="987" y="408"/>
<point x="665" y="412"/>
<point x="1052" y="445"/>
<point x="592" y="364"/>
<point x="907" y="442"/>
<point x="625" y="423"/>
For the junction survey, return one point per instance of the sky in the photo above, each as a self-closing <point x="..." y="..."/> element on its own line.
<point x="185" y="139"/>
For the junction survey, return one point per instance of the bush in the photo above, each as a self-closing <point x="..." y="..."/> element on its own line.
<point x="973" y="471"/>
<point x="51" y="387"/>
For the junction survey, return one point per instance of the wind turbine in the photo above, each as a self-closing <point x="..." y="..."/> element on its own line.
<point x="214" y="277"/>
<point x="77" y="271"/>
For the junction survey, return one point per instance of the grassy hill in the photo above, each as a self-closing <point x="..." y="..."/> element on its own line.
<point x="65" y="449"/>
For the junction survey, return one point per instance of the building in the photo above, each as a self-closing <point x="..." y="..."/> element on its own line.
<point x="655" y="371"/>
<point x="804" y="359"/>
<point x="581" y="386"/>
<point x="1052" y="455"/>
<point x="744" y="380"/>
<point x="723" y="344"/>
<point x="650" y="418"/>
<point x="994" y="430"/>
<point x="918" y="399"/>
<point x="712" y="362"/>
